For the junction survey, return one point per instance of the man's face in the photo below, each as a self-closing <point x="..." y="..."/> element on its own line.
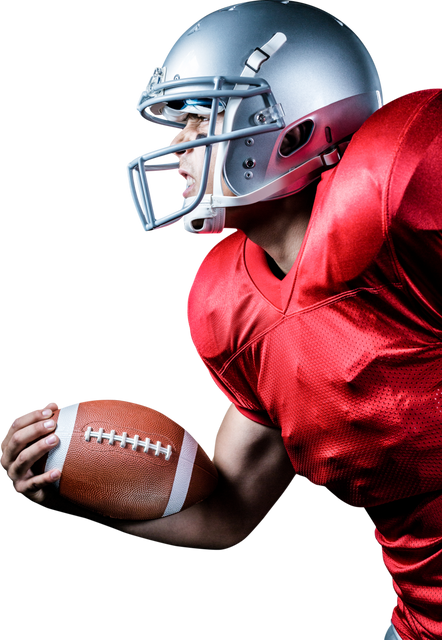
<point x="192" y="160"/>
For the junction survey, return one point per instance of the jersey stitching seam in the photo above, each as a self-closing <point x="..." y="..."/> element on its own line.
<point x="318" y="305"/>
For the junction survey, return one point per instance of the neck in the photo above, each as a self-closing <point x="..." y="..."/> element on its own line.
<point x="278" y="226"/>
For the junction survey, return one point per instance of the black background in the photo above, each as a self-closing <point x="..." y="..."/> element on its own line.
<point x="93" y="307"/>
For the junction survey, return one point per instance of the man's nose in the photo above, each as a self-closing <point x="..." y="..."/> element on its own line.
<point x="185" y="135"/>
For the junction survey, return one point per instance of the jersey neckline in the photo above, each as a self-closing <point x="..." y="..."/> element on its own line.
<point x="279" y="292"/>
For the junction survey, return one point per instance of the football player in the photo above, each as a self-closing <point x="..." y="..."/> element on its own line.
<point x="321" y="317"/>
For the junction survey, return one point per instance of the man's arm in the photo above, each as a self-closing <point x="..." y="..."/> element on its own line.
<point x="253" y="466"/>
<point x="254" y="470"/>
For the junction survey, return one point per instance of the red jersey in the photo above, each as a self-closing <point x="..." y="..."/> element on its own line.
<point x="345" y="354"/>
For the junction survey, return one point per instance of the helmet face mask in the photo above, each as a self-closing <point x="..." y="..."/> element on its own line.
<point x="218" y="91"/>
<point x="294" y="84"/>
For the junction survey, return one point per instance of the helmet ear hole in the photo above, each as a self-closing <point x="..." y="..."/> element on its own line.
<point x="295" y="138"/>
<point x="198" y="224"/>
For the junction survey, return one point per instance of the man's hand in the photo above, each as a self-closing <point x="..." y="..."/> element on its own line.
<point x="28" y="439"/>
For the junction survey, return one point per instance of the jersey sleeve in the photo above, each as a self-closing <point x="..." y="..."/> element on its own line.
<point x="396" y="173"/>
<point x="416" y="227"/>
<point x="223" y="318"/>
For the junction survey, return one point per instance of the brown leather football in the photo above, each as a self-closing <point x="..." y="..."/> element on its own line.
<point x="127" y="461"/>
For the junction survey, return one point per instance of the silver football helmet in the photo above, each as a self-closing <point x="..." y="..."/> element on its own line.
<point x="281" y="71"/>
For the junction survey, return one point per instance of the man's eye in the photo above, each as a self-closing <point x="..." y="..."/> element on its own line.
<point x="200" y="136"/>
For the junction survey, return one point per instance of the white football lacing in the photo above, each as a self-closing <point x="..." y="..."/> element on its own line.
<point x="123" y="440"/>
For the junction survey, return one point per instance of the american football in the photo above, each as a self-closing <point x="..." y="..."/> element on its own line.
<point x="127" y="461"/>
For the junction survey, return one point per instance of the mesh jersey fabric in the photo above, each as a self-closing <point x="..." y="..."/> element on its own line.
<point x="344" y="354"/>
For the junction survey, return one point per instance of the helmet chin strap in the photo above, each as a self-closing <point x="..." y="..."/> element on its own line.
<point x="212" y="209"/>
<point x="205" y="218"/>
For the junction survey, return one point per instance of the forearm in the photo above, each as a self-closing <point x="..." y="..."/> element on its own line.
<point x="211" y="524"/>
<point x="201" y="526"/>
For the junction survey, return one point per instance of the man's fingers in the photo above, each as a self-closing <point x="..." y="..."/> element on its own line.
<point x="29" y="455"/>
<point x="33" y="487"/>
<point x="27" y="420"/>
